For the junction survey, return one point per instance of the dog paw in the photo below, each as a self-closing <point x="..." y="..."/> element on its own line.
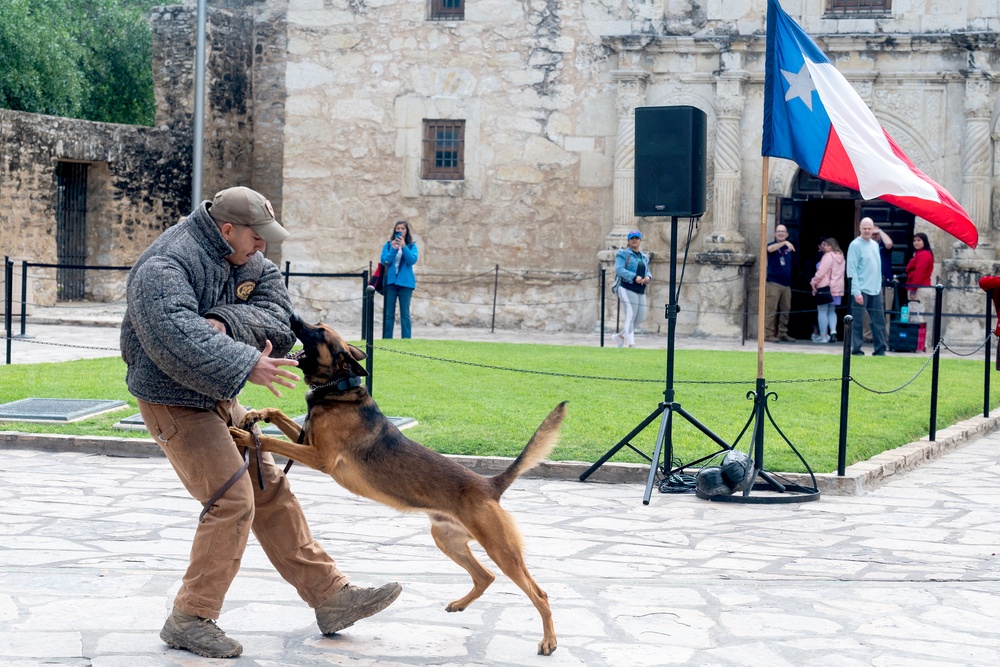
<point x="253" y="417"/>
<point x="240" y="437"/>
<point x="546" y="646"/>
<point x="454" y="606"/>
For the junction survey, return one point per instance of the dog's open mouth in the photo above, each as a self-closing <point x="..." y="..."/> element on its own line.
<point x="296" y="355"/>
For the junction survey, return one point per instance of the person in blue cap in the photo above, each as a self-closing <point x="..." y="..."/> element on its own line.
<point x="632" y="276"/>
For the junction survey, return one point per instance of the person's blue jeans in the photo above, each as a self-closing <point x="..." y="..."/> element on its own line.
<point x="403" y="295"/>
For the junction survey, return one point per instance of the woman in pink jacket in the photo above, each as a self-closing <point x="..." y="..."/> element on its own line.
<point x="828" y="288"/>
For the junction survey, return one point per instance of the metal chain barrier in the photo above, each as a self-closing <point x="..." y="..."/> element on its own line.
<point x="582" y="377"/>
<point x="43" y="342"/>
<point x="806" y="380"/>
<point x="930" y="358"/>
<point x="431" y="281"/>
<point x="969" y="354"/>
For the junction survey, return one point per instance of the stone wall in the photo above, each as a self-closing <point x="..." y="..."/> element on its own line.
<point x="244" y="91"/>
<point x="532" y="85"/>
<point x="229" y="89"/>
<point x="138" y="182"/>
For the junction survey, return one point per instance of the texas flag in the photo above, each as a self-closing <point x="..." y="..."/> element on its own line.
<point x="814" y="117"/>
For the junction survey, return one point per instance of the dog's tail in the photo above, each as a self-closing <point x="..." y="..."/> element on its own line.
<point x="540" y="446"/>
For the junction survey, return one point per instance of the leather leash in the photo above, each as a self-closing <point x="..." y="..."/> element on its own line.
<point x="259" y="453"/>
<point x="225" y="487"/>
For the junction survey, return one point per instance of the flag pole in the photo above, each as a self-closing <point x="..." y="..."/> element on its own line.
<point x="762" y="266"/>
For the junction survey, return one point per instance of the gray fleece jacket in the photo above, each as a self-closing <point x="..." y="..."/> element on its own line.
<point x="174" y="356"/>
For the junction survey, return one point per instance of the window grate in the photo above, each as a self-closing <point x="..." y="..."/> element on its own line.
<point x="444" y="150"/>
<point x="447" y="10"/>
<point x="859" y="6"/>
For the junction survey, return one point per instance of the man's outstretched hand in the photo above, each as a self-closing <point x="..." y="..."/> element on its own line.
<point x="267" y="371"/>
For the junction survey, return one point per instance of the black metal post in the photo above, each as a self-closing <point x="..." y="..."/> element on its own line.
<point x="369" y="310"/>
<point x="989" y="343"/>
<point x="8" y="299"/>
<point x="746" y="317"/>
<point x="939" y="288"/>
<point x="760" y="403"/>
<point x="496" y="282"/>
<point x="385" y="302"/>
<point x="24" y="297"/>
<point x="364" y="305"/>
<point x="602" y="285"/>
<point x="288" y="270"/>
<point x="671" y="313"/>
<point x="845" y="396"/>
<point x="665" y="438"/>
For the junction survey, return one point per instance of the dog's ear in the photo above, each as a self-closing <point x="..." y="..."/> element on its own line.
<point x="352" y="363"/>
<point x="358" y="354"/>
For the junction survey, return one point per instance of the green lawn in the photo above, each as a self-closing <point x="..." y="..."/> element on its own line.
<point x="468" y="409"/>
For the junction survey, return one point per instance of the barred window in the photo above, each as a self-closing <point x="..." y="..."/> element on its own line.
<point x="444" y="150"/>
<point x="447" y="10"/>
<point x="859" y="6"/>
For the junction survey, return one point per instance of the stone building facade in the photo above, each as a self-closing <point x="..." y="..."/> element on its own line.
<point x="547" y="92"/>
<point x="323" y="105"/>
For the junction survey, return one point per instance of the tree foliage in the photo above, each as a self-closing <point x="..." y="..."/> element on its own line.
<point x="89" y="59"/>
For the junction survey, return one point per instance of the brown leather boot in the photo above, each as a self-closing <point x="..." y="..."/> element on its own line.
<point x="351" y="604"/>
<point x="199" y="635"/>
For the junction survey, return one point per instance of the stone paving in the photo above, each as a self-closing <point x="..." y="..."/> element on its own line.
<point x="92" y="549"/>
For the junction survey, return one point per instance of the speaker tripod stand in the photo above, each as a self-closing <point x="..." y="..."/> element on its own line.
<point x="669" y="406"/>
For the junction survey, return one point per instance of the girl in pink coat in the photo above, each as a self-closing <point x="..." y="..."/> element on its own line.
<point x="829" y="274"/>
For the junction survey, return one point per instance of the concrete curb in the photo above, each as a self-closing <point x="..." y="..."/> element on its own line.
<point x="858" y="478"/>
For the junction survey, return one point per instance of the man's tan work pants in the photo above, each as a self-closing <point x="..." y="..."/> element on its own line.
<point x="201" y="451"/>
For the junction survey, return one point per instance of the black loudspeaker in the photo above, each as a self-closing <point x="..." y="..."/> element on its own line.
<point x="670" y="161"/>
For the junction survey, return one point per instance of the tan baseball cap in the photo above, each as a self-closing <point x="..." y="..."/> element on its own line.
<point x="243" y="206"/>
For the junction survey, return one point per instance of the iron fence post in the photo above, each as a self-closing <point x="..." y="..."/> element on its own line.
<point x="602" y="286"/>
<point x="369" y="314"/>
<point x="24" y="296"/>
<point x="8" y="298"/>
<point x="496" y="282"/>
<point x="385" y="303"/>
<point x="364" y="305"/>
<point x="845" y="396"/>
<point x="939" y="288"/>
<point x="989" y="342"/>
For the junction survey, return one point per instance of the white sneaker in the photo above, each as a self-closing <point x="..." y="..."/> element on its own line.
<point x="618" y="339"/>
<point x="821" y="339"/>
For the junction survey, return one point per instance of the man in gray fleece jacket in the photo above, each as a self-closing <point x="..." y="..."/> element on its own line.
<point x="206" y="314"/>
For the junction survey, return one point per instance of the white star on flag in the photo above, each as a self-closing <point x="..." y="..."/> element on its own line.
<point x="800" y="85"/>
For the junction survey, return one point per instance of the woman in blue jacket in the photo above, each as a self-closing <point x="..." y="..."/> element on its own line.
<point x="632" y="276"/>
<point x="399" y="254"/>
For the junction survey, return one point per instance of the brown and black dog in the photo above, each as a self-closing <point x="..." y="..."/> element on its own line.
<point x="346" y="436"/>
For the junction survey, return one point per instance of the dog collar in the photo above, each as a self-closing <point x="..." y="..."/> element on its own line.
<point x="340" y="385"/>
